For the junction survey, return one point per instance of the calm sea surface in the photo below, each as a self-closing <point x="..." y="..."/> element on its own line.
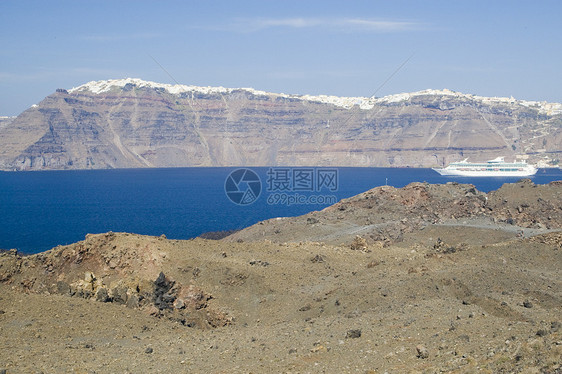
<point x="40" y="210"/>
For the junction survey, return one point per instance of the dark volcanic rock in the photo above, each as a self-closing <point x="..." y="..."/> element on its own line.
<point x="353" y="334"/>
<point x="163" y="299"/>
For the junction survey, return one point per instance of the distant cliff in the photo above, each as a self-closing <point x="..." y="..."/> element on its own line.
<point x="132" y="123"/>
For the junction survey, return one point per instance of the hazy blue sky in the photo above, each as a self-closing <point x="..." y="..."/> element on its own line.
<point x="344" y="48"/>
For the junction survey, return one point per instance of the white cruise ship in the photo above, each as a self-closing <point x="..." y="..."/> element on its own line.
<point x="493" y="168"/>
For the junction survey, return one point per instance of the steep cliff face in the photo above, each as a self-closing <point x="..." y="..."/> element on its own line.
<point x="133" y="123"/>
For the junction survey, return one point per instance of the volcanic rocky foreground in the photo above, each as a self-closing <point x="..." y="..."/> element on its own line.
<point x="427" y="278"/>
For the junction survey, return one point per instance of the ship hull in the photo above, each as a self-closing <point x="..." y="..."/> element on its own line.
<point x="486" y="173"/>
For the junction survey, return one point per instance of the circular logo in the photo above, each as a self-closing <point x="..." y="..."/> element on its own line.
<point x="242" y="186"/>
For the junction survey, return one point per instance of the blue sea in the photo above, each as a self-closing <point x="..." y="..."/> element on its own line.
<point x="40" y="210"/>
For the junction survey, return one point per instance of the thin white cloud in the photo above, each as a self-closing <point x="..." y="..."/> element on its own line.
<point x="285" y="22"/>
<point x="380" y="25"/>
<point x="333" y="24"/>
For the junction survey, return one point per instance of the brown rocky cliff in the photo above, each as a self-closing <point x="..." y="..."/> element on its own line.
<point x="140" y="124"/>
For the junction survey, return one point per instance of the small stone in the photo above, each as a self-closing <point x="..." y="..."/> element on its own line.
<point x="89" y="277"/>
<point x="63" y="288"/>
<point x="542" y="332"/>
<point x="353" y="334"/>
<point x="359" y="244"/>
<point x="132" y="301"/>
<point x="149" y="350"/>
<point x="305" y="308"/>
<point x="317" y="259"/>
<point x="152" y="310"/>
<point x="102" y="295"/>
<point x="179" y="303"/>
<point x="527" y="304"/>
<point x="422" y="352"/>
<point x="119" y="294"/>
<point x="318" y="348"/>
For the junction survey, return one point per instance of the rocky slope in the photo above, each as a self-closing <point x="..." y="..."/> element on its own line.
<point x="6" y="121"/>
<point x="385" y="214"/>
<point x="459" y="298"/>
<point x="133" y="123"/>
